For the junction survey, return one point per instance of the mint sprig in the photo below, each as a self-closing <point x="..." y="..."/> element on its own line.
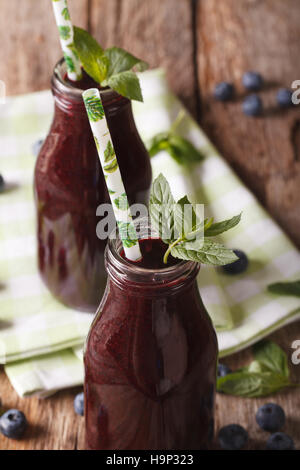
<point x="180" y="227"/>
<point x="113" y="67"/>
<point x="179" y="148"/>
<point x="268" y="373"/>
<point x="285" y="288"/>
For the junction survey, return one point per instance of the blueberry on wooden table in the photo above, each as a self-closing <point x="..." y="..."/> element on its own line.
<point x="238" y="266"/>
<point x="252" y="105"/>
<point x="223" y="370"/>
<point x="232" y="437"/>
<point x="13" y="424"/>
<point x="224" y="91"/>
<point x="79" y="404"/>
<point x="2" y="183"/>
<point x="284" y="98"/>
<point x="280" y="441"/>
<point x="270" y="417"/>
<point x="36" y="147"/>
<point x="252" y="81"/>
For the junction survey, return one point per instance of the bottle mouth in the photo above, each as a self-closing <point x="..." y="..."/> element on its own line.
<point x="123" y="271"/>
<point x="65" y="88"/>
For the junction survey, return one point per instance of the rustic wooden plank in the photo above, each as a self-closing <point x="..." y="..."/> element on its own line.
<point x="54" y="425"/>
<point x="233" y="37"/>
<point x="29" y="42"/>
<point x="158" y="31"/>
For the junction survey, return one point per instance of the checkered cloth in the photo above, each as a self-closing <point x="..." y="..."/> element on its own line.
<point x="34" y="326"/>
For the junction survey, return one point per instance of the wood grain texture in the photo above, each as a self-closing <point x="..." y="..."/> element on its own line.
<point x="54" y="425"/>
<point x="29" y="42"/>
<point x="234" y="36"/>
<point x="158" y="31"/>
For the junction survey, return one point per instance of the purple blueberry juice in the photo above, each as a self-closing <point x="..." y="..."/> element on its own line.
<point x="150" y="357"/>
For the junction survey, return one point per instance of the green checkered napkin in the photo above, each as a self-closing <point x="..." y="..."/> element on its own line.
<point x="34" y="323"/>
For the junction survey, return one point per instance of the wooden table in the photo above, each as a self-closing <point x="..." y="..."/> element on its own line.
<point x="53" y="423"/>
<point x="199" y="43"/>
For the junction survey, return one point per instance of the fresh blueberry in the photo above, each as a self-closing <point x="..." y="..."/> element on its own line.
<point x="232" y="437"/>
<point x="2" y="183"/>
<point x="270" y="417"/>
<point x="224" y="91"/>
<point x="13" y="424"/>
<point x="284" y="97"/>
<point x="252" y="105"/>
<point x="280" y="441"/>
<point x="237" y="266"/>
<point x="79" y="404"/>
<point x="223" y="370"/>
<point x="252" y="81"/>
<point x="36" y="147"/>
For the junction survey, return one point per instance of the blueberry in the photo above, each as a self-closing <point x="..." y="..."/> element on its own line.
<point x="79" y="404"/>
<point x="252" y="81"/>
<point x="224" y="91"/>
<point x="2" y="183"/>
<point x="13" y="424"/>
<point x="280" y="441"/>
<point x="237" y="266"/>
<point x="284" y="97"/>
<point x="252" y="105"/>
<point x="223" y="370"/>
<point x="270" y="417"/>
<point x="232" y="437"/>
<point x="36" y="147"/>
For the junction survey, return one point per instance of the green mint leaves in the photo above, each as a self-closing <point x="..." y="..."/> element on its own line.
<point x="180" y="227"/>
<point x="285" y="288"/>
<point x="112" y="67"/>
<point x="178" y="147"/>
<point x="267" y="374"/>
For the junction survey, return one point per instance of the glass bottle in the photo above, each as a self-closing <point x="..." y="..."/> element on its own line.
<point x="150" y="357"/>
<point x="69" y="186"/>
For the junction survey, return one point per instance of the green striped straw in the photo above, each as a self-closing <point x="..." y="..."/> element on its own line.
<point x="109" y="163"/>
<point x="66" y="35"/>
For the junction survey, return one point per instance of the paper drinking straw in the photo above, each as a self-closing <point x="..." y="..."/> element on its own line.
<point x="112" y="173"/>
<point x="66" y="36"/>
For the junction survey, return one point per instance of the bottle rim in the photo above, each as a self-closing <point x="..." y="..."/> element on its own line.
<point x="62" y="86"/>
<point x="124" y="271"/>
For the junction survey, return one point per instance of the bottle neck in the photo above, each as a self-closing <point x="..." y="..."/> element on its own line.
<point x="137" y="281"/>
<point x="68" y="97"/>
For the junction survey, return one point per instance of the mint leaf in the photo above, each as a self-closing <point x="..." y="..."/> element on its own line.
<point x="220" y="227"/>
<point x="204" y="251"/>
<point x="285" y="288"/>
<point x="250" y="385"/>
<point x="111" y="167"/>
<point x="126" y="84"/>
<point x="91" y="55"/>
<point x="158" y="143"/>
<point x="183" y="151"/>
<point x="161" y="208"/>
<point x="120" y="60"/>
<point x="271" y="356"/>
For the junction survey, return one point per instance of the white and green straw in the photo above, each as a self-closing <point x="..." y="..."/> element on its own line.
<point x="109" y="163"/>
<point x="66" y="35"/>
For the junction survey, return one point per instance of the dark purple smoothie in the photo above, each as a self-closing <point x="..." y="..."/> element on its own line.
<point x="150" y="359"/>
<point x="69" y="187"/>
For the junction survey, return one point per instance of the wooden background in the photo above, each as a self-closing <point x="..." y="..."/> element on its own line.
<point x="199" y="43"/>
